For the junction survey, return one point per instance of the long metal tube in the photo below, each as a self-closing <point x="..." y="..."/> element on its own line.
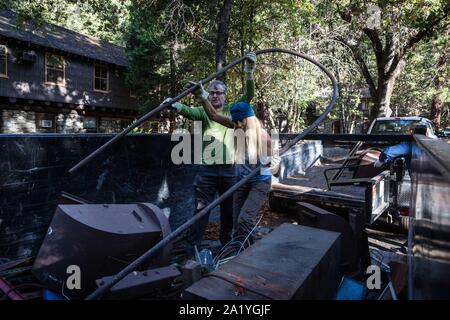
<point x="154" y="111"/>
<point x="176" y="233"/>
<point x="149" y="115"/>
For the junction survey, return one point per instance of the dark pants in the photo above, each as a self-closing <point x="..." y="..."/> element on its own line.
<point x="248" y="200"/>
<point x="209" y="181"/>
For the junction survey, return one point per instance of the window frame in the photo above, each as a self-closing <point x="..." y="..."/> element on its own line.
<point x="91" y="118"/>
<point x="5" y="75"/>
<point x="63" y="83"/>
<point x="107" y="78"/>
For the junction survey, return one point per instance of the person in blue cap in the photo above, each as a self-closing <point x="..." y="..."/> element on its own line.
<point x="216" y="173"/>
<point x="252" y="149"/>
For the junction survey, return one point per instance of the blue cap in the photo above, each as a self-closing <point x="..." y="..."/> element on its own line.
<point x="241" y="110"/>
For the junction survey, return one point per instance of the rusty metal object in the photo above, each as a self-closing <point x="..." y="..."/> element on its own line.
<point x="12" y="264"/>
<point x="313" y="216"/>
<point x="365" y="161"/>
<point x="192" y="272"/>
<point x="399" y="275"/>
<point x="284" y="198"/>
<point x="6" y="289"/>
<point x="67" y="198"/>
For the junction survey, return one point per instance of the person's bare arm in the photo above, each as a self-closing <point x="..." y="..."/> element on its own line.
<point x="214" y="116"/>
<point x="267" y="141"/>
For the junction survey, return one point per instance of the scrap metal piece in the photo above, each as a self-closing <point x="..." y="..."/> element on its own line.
<point x="9" y="291"/>
<point x="67" y="198"/>
<point x="192" y="272"/>
<point x="313" y="216"/>
<point x="11" y="264"/>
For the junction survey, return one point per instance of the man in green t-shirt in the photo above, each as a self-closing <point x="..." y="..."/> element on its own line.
<point x="216" y="173"/>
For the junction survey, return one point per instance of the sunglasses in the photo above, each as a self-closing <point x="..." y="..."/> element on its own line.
<point x="219" y="93"/>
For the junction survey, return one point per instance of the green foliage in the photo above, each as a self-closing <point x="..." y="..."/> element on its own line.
<point x="104" y="19"/>
<point x="169" y="43"/>
<point x="382" y="33"/>
<point x="172" y="42"/>
<point x="144" y="45"/>
<point x="415" y="88"/>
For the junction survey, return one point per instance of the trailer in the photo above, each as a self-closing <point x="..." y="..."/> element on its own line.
<point x="377" y="192"/>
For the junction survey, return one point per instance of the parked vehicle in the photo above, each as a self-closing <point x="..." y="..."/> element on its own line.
<point x="401" y="125"/>
<point x="387" y="188"/>
<point x="446" y="133"/>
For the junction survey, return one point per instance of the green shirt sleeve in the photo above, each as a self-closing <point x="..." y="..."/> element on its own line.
<point x="195" y="113"/>
<point x="249" y="91"/>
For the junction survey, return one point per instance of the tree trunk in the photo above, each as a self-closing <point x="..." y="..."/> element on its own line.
<point x="383" y="94"/>
<point x="242" y="48"/>
<point x="173" y="79"/>
<point x="389" y="55"/>
<point x="223" y="22"/>
<point x="352" y="125"/>
<point x="439" y="84"/>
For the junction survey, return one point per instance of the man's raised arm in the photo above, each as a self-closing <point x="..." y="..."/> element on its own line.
<point x="194" y="114"/>
<point x="249" y="69"/>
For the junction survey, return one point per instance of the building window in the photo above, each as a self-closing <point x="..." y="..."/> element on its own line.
<point x="90" y="124"/>
<point x="54" y="68"/>
<point x="45" y="122"/>
<point x="101" y="76"/>
<point x="3" y="61"/>
<point x="364" y="104"/>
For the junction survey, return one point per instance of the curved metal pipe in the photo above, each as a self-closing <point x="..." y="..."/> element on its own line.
<point x="176" y="233"/>
<point x="148" y="115"/>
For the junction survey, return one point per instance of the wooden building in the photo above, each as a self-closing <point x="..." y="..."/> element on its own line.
<point x="56" y="80"/>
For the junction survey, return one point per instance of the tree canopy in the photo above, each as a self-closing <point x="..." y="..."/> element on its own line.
<point x="395" y="52"/>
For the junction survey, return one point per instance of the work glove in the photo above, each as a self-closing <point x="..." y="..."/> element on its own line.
<point x="275" y="165"/>
<point x="175" y="106"/>
<point x="250" y="62"/>
<point x="200" y="93"/>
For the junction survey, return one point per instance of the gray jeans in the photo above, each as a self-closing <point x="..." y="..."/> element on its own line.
<point x="247" y="201"/>
<point x="209" y="181"/>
